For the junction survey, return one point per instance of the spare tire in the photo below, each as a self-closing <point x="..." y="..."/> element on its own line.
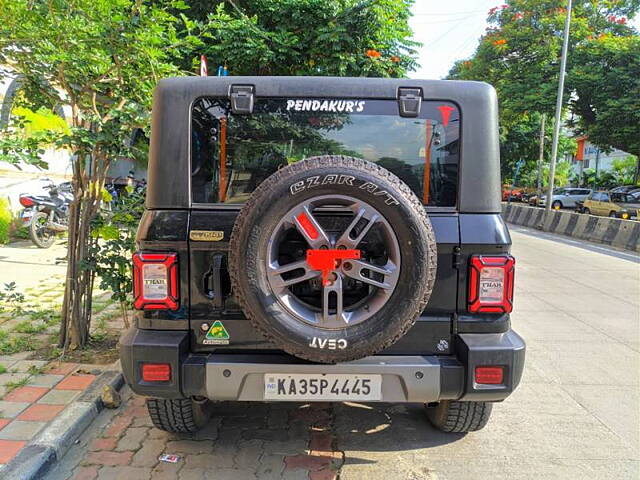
<point x="332" y="258"/>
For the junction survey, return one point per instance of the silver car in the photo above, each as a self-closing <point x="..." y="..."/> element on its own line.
<point x="566" y="197"/>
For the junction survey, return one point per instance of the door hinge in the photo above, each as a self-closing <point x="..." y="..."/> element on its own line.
<point x="242" y="97"/>
<point x="409" y="101"/>
<point x="456" y="257"/>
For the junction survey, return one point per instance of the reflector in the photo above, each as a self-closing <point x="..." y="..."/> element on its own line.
<point x="156" y="372"/>
<point x="489" y="375"/>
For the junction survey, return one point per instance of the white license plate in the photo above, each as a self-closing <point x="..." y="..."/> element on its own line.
<point x="322" y="387"/>
<point x="26" y="214"/>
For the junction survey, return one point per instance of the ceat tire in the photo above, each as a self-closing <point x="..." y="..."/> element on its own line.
<point x="332" y="258"/>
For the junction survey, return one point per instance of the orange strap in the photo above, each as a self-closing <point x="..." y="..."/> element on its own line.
<point x="427" y="165"/>
<point x="222" y="187"/>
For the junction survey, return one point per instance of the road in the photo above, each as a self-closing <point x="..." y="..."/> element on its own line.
<point x="575" y="415"/>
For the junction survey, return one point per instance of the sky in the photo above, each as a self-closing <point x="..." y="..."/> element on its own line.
<point x="449" y="31"/>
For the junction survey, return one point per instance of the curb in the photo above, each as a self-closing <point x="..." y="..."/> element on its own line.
<point x="52" y="443"/>
<point x="615" y="232"/>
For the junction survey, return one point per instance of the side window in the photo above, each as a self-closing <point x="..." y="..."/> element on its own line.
<point x="604" y="197"/>
<point x="595" y="197"/>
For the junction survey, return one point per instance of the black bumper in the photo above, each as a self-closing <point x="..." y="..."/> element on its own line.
<point x="408" y="378"/>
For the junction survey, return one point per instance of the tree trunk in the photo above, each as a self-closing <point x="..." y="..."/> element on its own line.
<point x="636" y="175"/>
<point x="88" y="181"/>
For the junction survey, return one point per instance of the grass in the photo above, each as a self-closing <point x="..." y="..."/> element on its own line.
<point x="17" y="384"/>
<point x="35" y="370"/>
<point x="27" y="327"/>
<point x="15" y="344"/>
<point x="3" y="369"/>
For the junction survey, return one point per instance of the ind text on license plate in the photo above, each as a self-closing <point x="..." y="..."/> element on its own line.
<point x="329" y="386"/>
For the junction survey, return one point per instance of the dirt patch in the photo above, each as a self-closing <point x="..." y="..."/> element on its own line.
<point x="101" y="350"/>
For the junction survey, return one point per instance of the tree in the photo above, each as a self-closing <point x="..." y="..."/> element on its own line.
<point x="101" y="58"/>
<point x="519" y="55"/>
<point x="305" y="37"/>
<point x="606" y="80"/>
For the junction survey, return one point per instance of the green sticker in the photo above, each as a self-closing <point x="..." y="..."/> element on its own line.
<point x="217" y="335"/>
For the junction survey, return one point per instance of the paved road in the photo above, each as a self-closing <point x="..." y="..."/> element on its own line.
<point x="575" y="414"/>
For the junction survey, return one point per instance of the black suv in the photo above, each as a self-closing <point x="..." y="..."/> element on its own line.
<point x="323" y="239"/>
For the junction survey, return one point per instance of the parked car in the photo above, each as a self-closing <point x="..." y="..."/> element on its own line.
<point x="566" y="197"/>
<point x="515" y="194"/>
<point x="266" y="275"/>
<point x="624" y="189"/>
<point x="612" y="204"/>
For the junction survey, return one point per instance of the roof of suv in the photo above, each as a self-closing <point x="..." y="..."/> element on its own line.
<point x="169" y="165"/>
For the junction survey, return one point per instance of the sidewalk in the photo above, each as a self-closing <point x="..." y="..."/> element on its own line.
<point x="44" y="403"/>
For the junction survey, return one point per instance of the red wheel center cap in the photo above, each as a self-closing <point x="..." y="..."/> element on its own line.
<point x="328" y="260"/>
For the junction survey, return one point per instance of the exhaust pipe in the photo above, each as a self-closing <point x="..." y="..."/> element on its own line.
<point x="57" y="227"/>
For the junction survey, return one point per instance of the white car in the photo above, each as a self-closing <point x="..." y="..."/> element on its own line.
<point x="566" y="197"/>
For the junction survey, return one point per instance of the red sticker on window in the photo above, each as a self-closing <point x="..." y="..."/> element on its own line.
<point x="445" y="112"/>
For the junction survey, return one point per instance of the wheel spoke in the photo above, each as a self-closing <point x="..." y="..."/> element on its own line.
<point x="276" y="271"/>
<point x="309" y="227"/>
<point x="346" y="237"/>
<point x="389" y="271"/>
<point x="336" y="287"/>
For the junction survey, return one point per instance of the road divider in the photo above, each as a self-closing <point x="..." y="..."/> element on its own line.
<point x="616" y="232"/>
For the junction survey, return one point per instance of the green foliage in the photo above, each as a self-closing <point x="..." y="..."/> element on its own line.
<point x="519" y="55"/>
<point x="11" y="298"/>
<point x="111" y="256"/>
<point x="5" y="220"/>
<point x="42" y="120"/>
<point x="606" y="79"/>
<point x="624" y="169"/>
<point x="303" y="37"/>
<point x="3" y="369"/>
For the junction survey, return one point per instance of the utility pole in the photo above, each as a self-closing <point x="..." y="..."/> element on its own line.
<point x="556" y="127"/>
<point x="540" y="160"/>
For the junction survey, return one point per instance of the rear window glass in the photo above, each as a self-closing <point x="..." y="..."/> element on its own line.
<point x="232" y="154"/>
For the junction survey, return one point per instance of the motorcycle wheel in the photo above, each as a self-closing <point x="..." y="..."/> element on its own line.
<point x="38" y="232"/>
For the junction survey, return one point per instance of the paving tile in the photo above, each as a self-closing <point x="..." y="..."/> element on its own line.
<point x="45" y="380"/>
<point x="108" y="458"/>
<point x="18" y="430"/>
<point x="12" y="377"/>
<point x="85" y="473"/>
<point x="25" y="394"/>
<point x="59" y="397"/>
<point x="9" y="449"/>
<point x="75" y="382"/>
<point x="25" y="365"/>
<point x="61" y="368"/>
<point x="11" y="409"/>
<point x="3" y="422"/>
<point x="40" y="412"/>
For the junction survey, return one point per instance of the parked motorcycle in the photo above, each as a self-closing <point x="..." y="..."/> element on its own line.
<point x="47" y="215"/>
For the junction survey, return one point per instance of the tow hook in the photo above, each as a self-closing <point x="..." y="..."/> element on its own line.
<point x="327" y="260"/>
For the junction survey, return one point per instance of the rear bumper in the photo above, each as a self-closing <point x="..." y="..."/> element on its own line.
<point x="410" y="378"/>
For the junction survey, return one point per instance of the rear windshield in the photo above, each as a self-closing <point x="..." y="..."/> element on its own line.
<point x="232" y="154"/>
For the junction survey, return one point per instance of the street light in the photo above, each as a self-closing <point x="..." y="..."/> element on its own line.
<point x="556" y="127"/>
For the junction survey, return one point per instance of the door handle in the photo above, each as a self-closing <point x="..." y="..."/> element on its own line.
<point x="212" y="283"/>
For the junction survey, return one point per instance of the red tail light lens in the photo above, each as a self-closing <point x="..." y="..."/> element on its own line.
<point x="156" y="372"/>
<point x="26" y="201"/>
<point x="491" y="284"/>
<point x="155" y="281"/>
<point x="489" y="375"/>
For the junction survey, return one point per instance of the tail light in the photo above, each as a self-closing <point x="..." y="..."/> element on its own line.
<point x="26" y="201"/>
<point x="155" y="281"/>
<point x="491" y="284"/>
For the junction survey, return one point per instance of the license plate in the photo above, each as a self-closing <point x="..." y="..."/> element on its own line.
<point x="322" y="387"/>
<point x="26" y="214"/>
